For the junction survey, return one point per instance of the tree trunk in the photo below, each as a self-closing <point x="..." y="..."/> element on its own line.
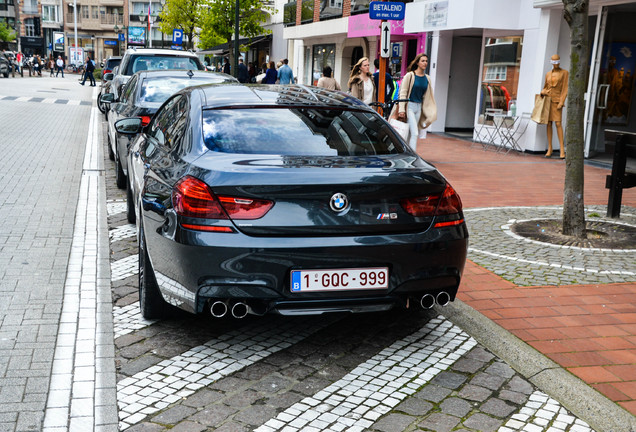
<point x="576" y="15"/>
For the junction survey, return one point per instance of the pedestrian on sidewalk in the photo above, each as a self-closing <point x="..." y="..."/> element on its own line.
<point x="326" y="81"/>
<point x="88" y="71"/>
<point x="421" y="110"/>
<point x="243" y="75"/>
<point x="361" y="82"/>
<point x="270" y="74"/>
<point x="388" y="81"/>
<point x="51" y="65"/>
<point x="60" y="66"/>
<point x="285" y="73"/>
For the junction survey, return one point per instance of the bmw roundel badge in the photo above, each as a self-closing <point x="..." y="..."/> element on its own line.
<point x="339" y="202"/>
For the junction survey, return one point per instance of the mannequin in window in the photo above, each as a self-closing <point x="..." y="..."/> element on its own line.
<point x="556" y="86"/>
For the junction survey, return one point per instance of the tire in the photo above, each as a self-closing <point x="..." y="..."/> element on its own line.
<point x="151" y="303"/>
<point x="120" y="177"/>
<point x="100" y="106"/>
<point x="130" y="205"/>
<point x="111" y="154"/>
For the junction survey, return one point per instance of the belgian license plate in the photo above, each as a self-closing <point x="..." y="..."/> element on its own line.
<point x="340" y="279"/>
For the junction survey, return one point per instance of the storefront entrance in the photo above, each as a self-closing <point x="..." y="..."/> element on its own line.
<point x="611" y="82"/>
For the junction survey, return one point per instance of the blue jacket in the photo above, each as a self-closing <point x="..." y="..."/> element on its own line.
<point x="270" y="76"/>
<point x="285" y="74"/>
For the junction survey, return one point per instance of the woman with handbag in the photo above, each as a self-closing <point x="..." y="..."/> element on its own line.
<point x="420" y="110"/>
<point x="361" y="82"/>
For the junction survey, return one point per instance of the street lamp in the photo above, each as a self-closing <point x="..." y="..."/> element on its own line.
<point x="142" y="19"/>
<point x="75" y="26"/>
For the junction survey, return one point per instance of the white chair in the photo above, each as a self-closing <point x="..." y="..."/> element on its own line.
<point x="510" y="136"/>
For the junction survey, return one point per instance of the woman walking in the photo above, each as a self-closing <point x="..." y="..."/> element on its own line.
<point x="326" y="81"/>
<point x="270" y="75"/>
<point x="420" y="111"/>
<point x="361" y="82"/>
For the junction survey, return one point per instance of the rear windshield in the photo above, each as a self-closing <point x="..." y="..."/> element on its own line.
<point x="157" y="90"/>
<point x="298" y="131"/>
<point x="145" y="62"/>
<point x="110" y="64"/>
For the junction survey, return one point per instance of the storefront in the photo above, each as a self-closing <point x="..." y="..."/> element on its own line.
<point x="611" y="83"/>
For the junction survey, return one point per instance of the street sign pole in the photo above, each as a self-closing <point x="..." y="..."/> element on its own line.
<point x="385" y="53"/>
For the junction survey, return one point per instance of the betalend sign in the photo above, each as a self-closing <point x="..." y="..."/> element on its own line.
<point x="386" y="10"/>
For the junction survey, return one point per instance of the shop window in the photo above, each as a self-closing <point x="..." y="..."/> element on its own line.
<point x="500" y="75"/>
<point x="29" y="27"/>
<point x="323" y="55"/>
<point x="330" y="9"/>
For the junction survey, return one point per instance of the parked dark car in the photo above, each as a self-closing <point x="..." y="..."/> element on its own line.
<point x="141" y="97"/>
<point x="110" y="65"/>
<point x="6" y="65"/>
<point x="287" y="199"/>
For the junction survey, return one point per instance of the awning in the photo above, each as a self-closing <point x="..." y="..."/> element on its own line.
<point x="226" y="47"/>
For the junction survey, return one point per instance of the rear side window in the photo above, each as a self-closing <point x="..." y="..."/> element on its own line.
<point x="112" y="63"/>
<point x="146" y="62"/>
<point x="157" y="90"/>
<point x="298" y="131"/>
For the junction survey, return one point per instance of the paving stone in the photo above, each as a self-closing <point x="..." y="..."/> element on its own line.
<point x="138" y="364"/>
<point x="520" y="385"/>
<point x="475" y="393"/>
<point x="514" y="397"/>
<point x="230" y="427"/>
<point x="415" y="407"/>
<point x="243" y="398"/>
<point x="174" y="415"/>
<point x="439" y="422"/>
<point x="255" y="415"/>
<point x="449" y="380"/>
<point x="188" y="426"/>
<point x="213" y="416"/>
<point x="202" y="398"/>
<point x="433" y="393"/>
<point x="468" y="365"/>
<point x="271" y="384"/>
<point x="498" y="408"/>
<point x="492" y="382"/>
<point x="500" y="369"/>
<point x="482" y="422"/>
<point x="481" y="354"/>
<point x="393" y="423"/>
<point x="145" y="427"/>
<point x="455" y="406"/>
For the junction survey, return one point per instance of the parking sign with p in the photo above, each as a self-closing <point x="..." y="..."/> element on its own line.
<point x="177" y="36"/>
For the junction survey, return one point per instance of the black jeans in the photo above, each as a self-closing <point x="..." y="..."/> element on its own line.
<point x="60" y="69"/>
<point x="88" y="74"/>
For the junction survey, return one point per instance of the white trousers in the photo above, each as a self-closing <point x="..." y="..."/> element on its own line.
<point x="414" y="110"/>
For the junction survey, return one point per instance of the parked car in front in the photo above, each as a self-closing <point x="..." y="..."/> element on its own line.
<point x="287" y="199"/>
<point x="141" y="97"/>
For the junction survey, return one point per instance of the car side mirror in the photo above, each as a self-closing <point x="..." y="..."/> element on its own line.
<point x="108" y="98"/>
<point x="109" y="76"/>
<point x="128" y="126"/>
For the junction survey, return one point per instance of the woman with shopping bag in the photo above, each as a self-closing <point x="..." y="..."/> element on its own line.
<point x="420" y="110"/>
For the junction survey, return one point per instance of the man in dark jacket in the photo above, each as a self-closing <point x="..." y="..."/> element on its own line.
<point x="243" y="76"/>
<point x="388" y="82"/>
<point x="88" y="71"/>
<point x="226" y="66"/>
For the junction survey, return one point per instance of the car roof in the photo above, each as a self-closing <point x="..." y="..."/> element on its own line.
<point x="160" y="51"/>
<point x="114" y="58"/>
<point x="181" y="73"/>
<point x="272" y="94"/>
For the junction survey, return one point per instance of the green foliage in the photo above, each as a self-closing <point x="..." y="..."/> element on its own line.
<point x="221" y="15"/>
<point x="182" y="14"/>
<point x="6" y="34"/>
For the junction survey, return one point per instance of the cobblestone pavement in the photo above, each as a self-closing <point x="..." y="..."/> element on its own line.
<point x="530" y="263"/>
<point x="381" y="372"/>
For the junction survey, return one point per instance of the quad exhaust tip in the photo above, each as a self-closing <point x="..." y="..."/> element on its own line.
<point x="218" y="309"/>
<point x="428" y="300"/>
<point x="240" y="310"/>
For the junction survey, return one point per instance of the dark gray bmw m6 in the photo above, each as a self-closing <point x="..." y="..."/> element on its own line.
<point x="287" y="199"/>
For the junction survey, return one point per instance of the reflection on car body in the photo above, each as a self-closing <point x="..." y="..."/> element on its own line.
<point x="287" y="199"/>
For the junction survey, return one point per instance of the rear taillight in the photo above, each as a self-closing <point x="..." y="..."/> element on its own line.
<point x="433" y="205"/>
<point x="145" y="120"/>
<point x="106" y="71"/>
<point x="193" y="198"/>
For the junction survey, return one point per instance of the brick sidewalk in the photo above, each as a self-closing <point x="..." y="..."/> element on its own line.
<point x="588" y="329"/>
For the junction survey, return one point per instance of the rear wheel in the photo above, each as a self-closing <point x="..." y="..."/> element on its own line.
<point x="151" y="303"/>
<point x="111" y="154"/>
<point x="130" y="205"/>
<point x="100" y="105"/>
<point x="120" y="177"/>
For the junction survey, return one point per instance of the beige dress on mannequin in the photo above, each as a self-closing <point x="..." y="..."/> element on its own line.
<point x="556" y="86"/>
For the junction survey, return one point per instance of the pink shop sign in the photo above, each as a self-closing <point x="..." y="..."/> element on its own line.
<point x="362" y="26"/>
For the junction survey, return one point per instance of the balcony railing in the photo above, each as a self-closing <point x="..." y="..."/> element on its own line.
<point x="112" y="19"/>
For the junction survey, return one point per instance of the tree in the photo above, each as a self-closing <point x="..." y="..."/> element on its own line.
<point x="221" y="17"/>
<point x="182" y="14"/>
<point x="576" y="15"/>
<point x="6" y="33"/>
